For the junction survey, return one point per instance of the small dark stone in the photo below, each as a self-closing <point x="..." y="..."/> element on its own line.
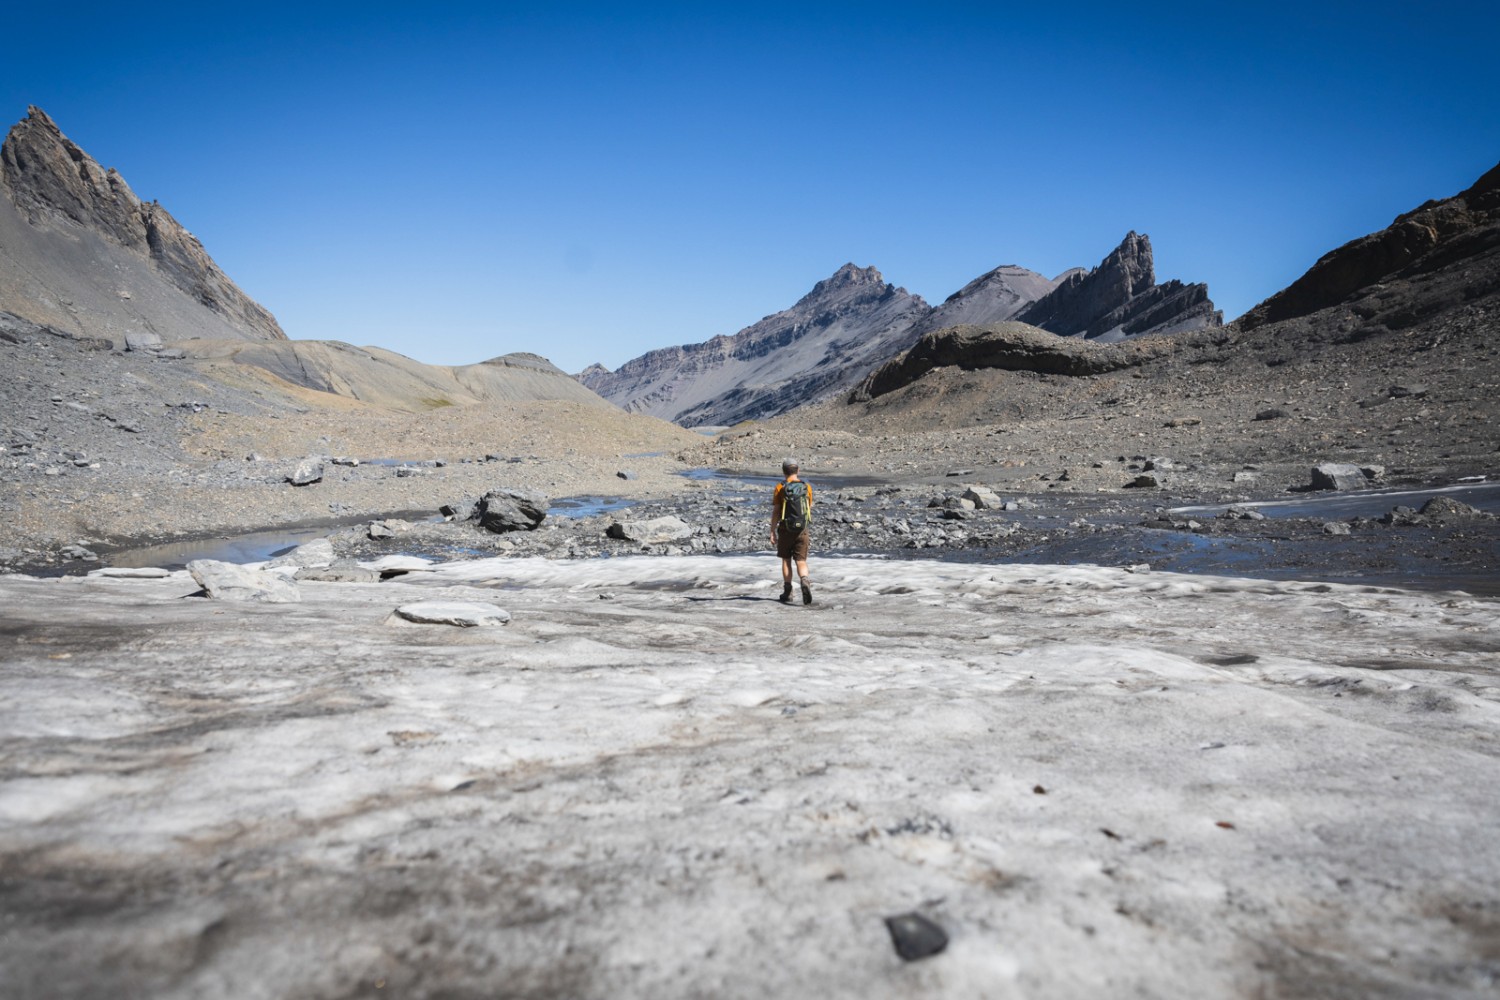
<point x="915" y="937"/>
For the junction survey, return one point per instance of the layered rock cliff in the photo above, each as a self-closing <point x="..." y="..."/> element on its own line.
<point x="80" y="252"/>
<point x="825" y="344"/>
<point x="1120" y="298"/>
<point x="1433" y="258"/>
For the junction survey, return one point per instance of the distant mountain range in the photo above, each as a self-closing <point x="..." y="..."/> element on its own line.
<point x="854" y="322"/>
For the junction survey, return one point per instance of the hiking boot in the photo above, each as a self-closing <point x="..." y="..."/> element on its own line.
<point x="786" y="594"/>
<point x="806" y="590"/>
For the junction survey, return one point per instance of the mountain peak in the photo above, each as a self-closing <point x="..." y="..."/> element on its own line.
<point x="56" y="193"/>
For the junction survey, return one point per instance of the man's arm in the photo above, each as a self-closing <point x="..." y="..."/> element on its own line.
<point x="775" y="496"/>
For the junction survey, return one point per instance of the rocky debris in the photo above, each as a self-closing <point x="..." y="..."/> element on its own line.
<point x="78" y="553"/>
<point x="501" y="511"/>
<point x="1120" y="298"/>
<point x="307" y="472"/>
<point x="655" y="531"/>
<point x="1338" y="476"/>
<point x="915" y="937"/>
<point x="231" y="582"/>
<point x="389" y="527"/>
<point x="1335" y="528"/>
<point x="1145" y="481"/>
<point x="849" y="323"/>
<point x="1242" y="514"/>
<point x="465" y="614"/>
<point x="318" y="552"/>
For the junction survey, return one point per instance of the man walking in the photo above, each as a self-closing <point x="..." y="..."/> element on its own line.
<point x="791" y="521"/>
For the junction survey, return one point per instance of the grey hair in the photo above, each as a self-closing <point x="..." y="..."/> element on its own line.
<point x="788" y="467"/>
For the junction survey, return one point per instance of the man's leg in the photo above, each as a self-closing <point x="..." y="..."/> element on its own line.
<point x="806" y="583"/>
<point x="786" y="580"/>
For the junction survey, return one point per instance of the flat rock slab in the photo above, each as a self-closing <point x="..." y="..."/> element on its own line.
<point x="466" y="614"/>
<point x="132" y="572"/>
<point x="231" y="582"/>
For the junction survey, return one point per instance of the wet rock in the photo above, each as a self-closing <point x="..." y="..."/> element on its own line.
<point x="915" y="937"/>
<point x="462" y="510"/>
<point x="77" y="553"/>
<point x="1447" y="507"/>
<point x="651" y="532"/>
<point x="1241" y="514"/>
<point x="307" y="472"/>
<point x="1338" y="476"/>
<point x="388" y="528"/>
<point x="510" y="510"/>
<point x="465" y="614"/>
<point x="229" y="582"/>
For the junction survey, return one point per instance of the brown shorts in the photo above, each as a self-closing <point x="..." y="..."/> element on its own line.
<point x="792" y="546"/>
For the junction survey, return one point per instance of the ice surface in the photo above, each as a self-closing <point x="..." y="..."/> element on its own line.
<point x="659" y="781"/>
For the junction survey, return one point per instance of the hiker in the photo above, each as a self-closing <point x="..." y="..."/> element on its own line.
<point x="791" y="523"/>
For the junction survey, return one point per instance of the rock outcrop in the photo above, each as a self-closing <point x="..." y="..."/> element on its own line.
<point x="80" y="252"/>
<point x="1120" y="298"/>
<point x="1407" y="255"/>
<point x="823" y="345"/>
<point x="1008" y="346"/>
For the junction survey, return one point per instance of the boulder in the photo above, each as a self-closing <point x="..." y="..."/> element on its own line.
<point x="1447" y="507"/>
<point x="1335" y="528"/>
<point x="230" y="582"/>
<point x="510" y="510"/>
<point x="983" y="498"/>
<point x="307" y="472"/>
<point x="652" y="532"/>
<point x="1338" y="476"/>
<point x="142" y="342"/>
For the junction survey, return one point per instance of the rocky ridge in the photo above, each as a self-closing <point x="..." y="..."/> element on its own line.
<point x="79" y="251"/>
<point x="1120" y="298"/>
<point x="841" y="337"/>
<point x="847" y="324"/>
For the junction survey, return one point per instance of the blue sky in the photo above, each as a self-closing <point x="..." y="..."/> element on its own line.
<point x="591" y="181"/>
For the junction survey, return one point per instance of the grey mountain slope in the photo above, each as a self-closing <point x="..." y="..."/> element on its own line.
<point x="387" y="379"/>
<point x="79" y="251"/>
<point x="848" y="324"/>
<point x="992" y="297"/>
